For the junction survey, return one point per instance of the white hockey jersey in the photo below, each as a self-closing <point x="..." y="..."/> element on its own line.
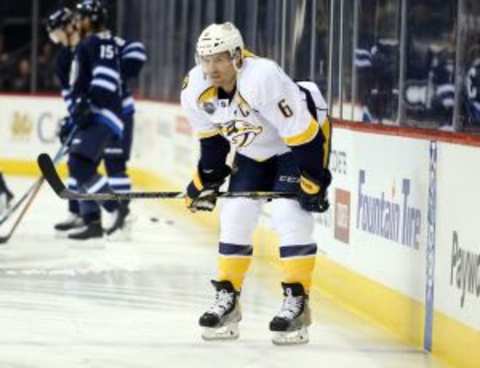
<point x="267" y="114"/>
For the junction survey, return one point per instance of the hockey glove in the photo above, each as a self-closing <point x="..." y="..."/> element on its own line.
<point x="82" y="114"/>
<point x="313" y="192"/>
<point x="66" y="126"/>
<point x="203" y="190"/>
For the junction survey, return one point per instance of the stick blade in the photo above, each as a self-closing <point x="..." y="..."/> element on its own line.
<point x="47" y="168"/>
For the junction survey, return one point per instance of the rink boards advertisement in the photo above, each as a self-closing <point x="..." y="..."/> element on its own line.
<point x="458" y="245"/>
<point x="378" y="224"/>
<point x="29" y="125"/>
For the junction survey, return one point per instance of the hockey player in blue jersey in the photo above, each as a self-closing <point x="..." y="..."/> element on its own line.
<point x="62" y="30"/>
<point x="96" y="88"/>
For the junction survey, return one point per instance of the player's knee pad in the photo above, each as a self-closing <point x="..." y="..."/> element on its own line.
<point x="238" y="219"/>
<point x="80" y="168"/>
<point x="292" y="224"/>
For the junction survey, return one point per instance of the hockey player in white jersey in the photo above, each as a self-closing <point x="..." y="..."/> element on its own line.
<point x="281" y="136"/>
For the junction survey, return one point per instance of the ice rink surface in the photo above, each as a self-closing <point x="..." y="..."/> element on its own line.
<point x="136" y="303"/>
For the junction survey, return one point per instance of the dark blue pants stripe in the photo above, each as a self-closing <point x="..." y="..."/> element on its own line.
<point x="228" y="249"/>
<point x="298" y="250"/>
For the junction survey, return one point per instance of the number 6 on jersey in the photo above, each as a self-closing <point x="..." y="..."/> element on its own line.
<point x="285" y="109"/>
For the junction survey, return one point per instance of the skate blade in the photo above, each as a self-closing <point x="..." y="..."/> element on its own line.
<point x="229" y="332"/>
<point x="291" y="338"/>
<point x="63" y="234"/>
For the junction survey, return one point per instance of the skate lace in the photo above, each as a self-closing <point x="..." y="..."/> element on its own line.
<point x="291" y="306"/>
<point x="223" y="302"/>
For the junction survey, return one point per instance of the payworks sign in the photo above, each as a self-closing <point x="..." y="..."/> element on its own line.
<point x="464" y="270"/>
<point x="392" y="219"/>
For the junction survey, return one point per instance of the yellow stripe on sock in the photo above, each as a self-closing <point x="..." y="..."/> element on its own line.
<point x="298" y="270"/>
<point x="233" y="269"/>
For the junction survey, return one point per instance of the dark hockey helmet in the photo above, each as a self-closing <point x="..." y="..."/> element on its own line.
<point x="59" y="19"/>
<point x="93" y="9"/>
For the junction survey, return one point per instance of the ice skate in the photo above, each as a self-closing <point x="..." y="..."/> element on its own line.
<point x="116" y="220"/>
<point x="123" y="233"/>
<point x="220" y="322"/>
<point x="290" y="325"/>
<point x="90" y="231"/>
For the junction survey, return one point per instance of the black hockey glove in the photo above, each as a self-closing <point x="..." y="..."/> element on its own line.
<point x="82" y="114"/>
<point x="203" y="190"/>
<point x="313" y="192"/>
<point x="66" y="127"/>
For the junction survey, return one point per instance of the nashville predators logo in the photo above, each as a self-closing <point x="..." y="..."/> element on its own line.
<point x="240" y="133"/>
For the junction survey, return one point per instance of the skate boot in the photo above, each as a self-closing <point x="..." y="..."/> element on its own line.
<point x="116" y="220"/>
<point x="289" y="326"/>
<point x="91" y="230"/>
<point x="220" y="322"/>
<point x="74" y="221"/>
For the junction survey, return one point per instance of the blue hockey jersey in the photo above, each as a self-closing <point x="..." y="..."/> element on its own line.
<point x="96" y="77"/>
<point x="132" y="59"/>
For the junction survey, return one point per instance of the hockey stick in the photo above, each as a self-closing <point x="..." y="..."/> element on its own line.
<point x="34" y="189"/>
<point x="11" y="210"/>
<point x="51" y="175"/>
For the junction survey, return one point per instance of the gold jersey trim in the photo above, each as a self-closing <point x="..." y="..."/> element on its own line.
<point x="207" y="134"/>
<point x="306" y="136"/>
<point x="327" y="133"/>
<point x="208" y="95"/>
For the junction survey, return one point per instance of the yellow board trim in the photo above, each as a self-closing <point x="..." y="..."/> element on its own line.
<point x="304" y="137"/>
<point x="453" y="341"/>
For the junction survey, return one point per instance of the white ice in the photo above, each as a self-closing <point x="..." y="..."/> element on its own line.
<point x="136" y="304"/>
